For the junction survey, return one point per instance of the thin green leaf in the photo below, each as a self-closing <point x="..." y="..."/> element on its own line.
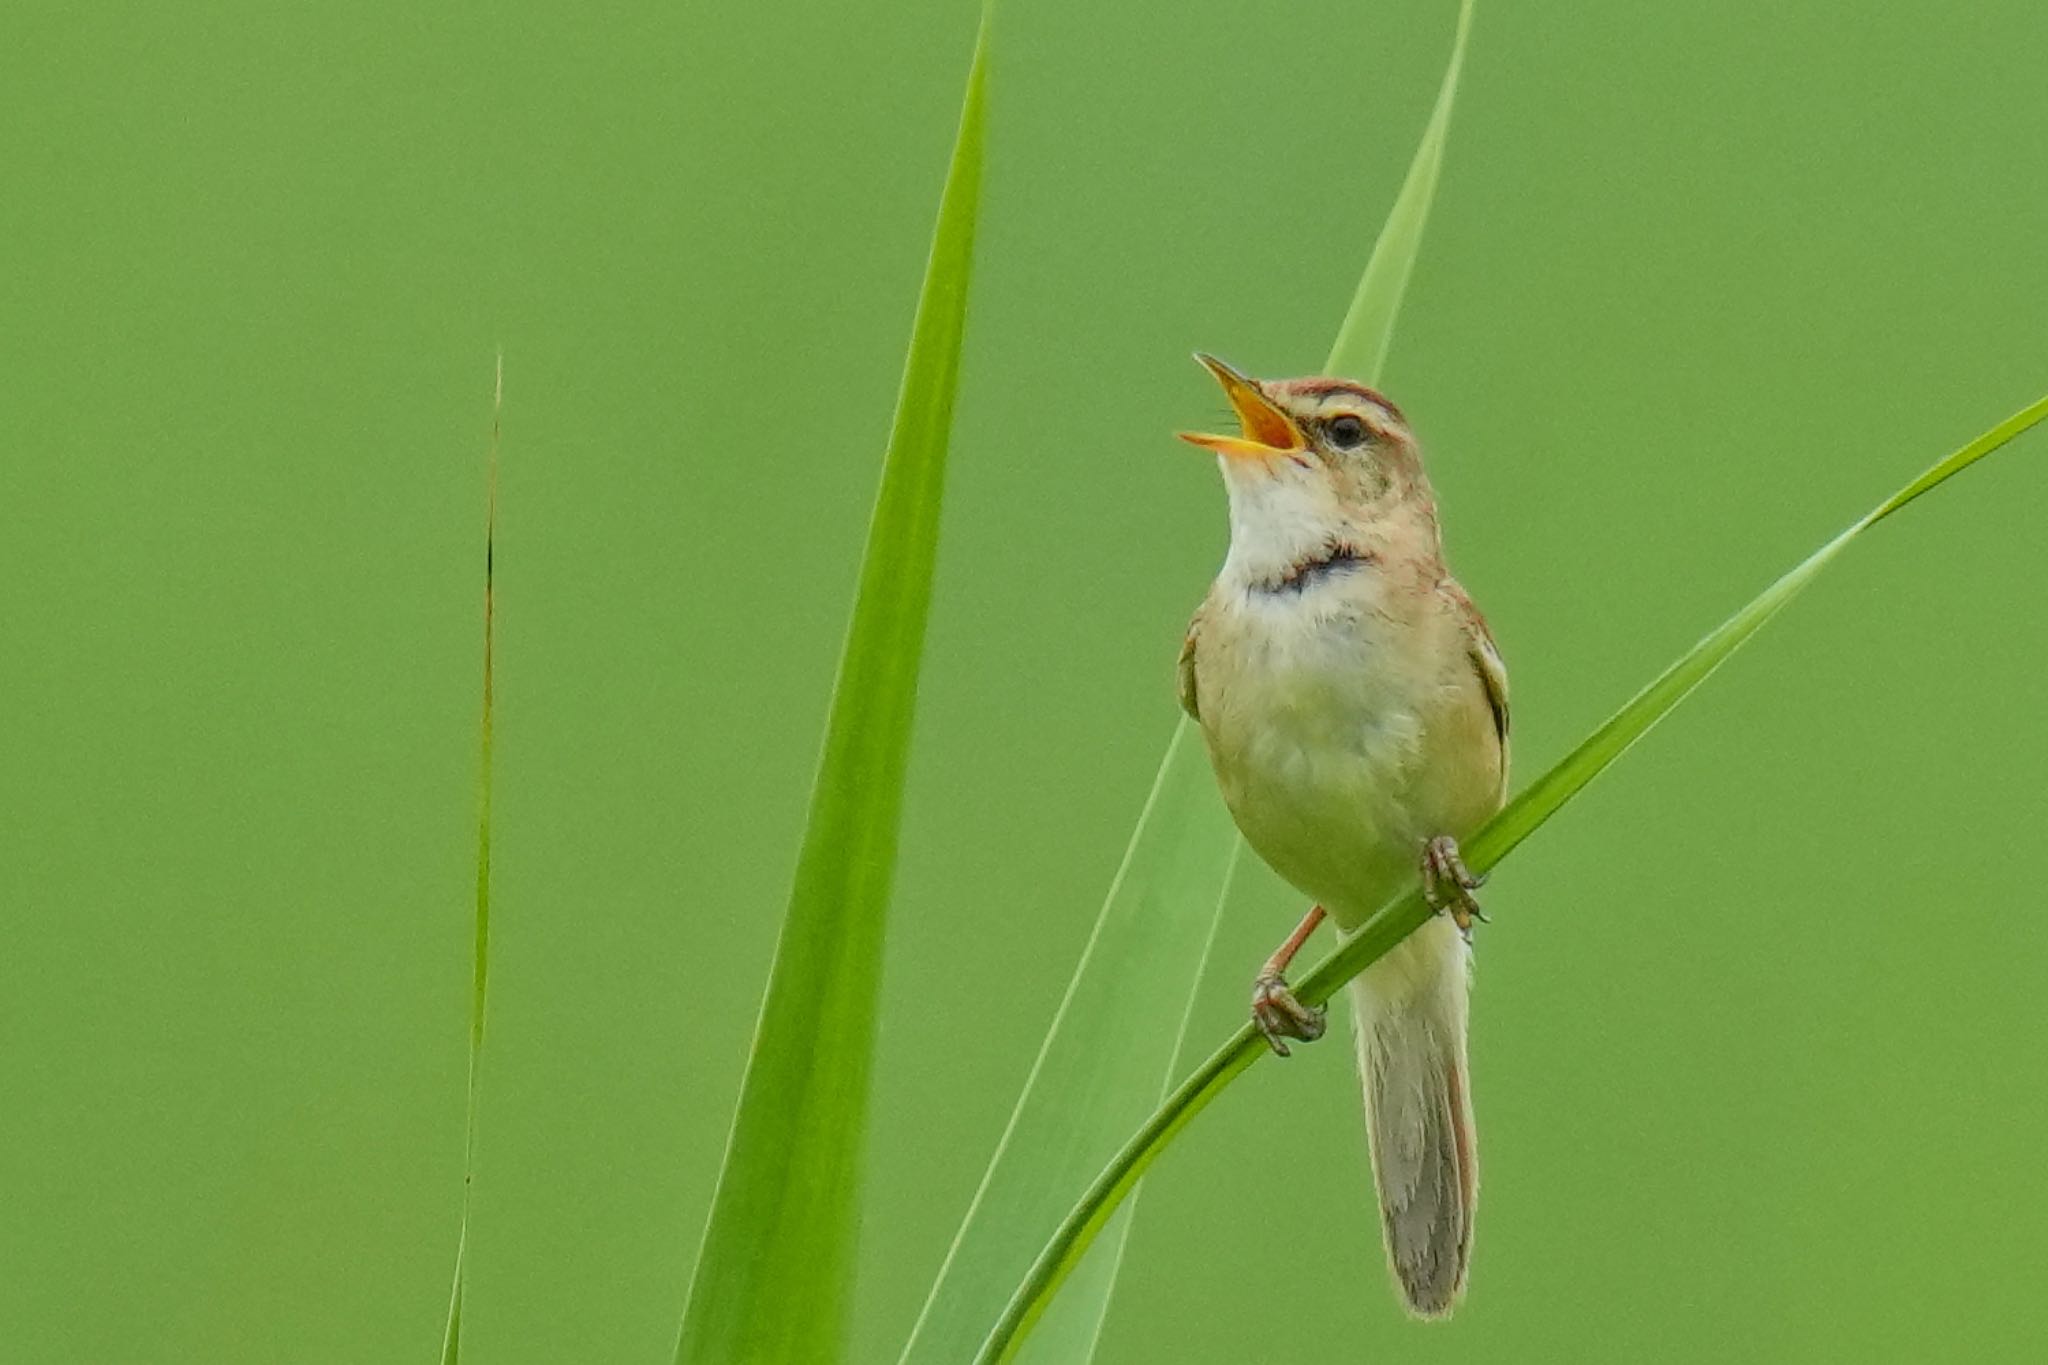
<point x="1406" y="913"/>
<point x="480" y="960"/>
<point x="774" y="1274"/>
<point x="1104" y="1064"/>
<point x="1105" y="1060"/>
<point x="1368" y="328"/>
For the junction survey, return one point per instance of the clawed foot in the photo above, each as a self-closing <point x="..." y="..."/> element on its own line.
<point x="1278" y="1015"/>
<point x="1447" y="884"/>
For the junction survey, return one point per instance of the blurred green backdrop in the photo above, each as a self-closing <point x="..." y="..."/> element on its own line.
<point x="1759" y="1032"/>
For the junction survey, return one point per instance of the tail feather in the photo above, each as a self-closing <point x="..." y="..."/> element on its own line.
<point x="1411" y="1013"/>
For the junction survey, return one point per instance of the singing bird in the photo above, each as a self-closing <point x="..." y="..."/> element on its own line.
<point x="1355" y="710"/>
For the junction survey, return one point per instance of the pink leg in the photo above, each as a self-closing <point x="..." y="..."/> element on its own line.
<point x="1275" y="1011"/>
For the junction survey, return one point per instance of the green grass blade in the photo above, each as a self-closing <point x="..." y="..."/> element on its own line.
<point x="1368" y="329"/>
<point x="1104" y="1064"/>
<point x="1106" y="1059"/>
<point x="1404" y="914"/>
<point x="773" y="1277"/>
<point x="451" y="1335"/>
<point x="480" y="961"/>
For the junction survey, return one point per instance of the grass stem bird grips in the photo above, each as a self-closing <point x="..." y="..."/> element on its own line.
<point x="1355" y="711"/>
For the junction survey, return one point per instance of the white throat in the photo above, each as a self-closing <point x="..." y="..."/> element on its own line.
<point x="1279" y="518"/>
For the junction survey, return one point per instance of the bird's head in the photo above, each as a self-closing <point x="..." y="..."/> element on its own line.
<point x="1316" y="463"/>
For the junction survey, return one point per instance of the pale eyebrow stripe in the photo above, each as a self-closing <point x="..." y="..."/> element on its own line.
<point x="1323" y="390"/>
<point x="1350" y="403"/>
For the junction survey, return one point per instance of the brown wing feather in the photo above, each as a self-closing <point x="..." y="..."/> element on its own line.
<point x="1486" y="662"/>
<point x="1185" y="670"/>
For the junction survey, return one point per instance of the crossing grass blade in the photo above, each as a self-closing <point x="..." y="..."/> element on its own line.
<point x="1109" y="1054"/>
<point x="1104" y="1063"/>
<point x="1521" y="818"/>
<point x="480" y="961"/>
<point x="773" y="1276"/>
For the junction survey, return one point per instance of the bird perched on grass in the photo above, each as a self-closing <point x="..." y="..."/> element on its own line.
<point x="1356" y="714"/>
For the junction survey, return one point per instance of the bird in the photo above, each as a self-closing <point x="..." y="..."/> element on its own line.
<point x="1354" y="707"/>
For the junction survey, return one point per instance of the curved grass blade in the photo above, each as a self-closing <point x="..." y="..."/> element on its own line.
<point x="480" y="961"/>
<point x="1403" y="915"/>
<point x="1106" y="1058"/>
<point x="773" y="1276"/>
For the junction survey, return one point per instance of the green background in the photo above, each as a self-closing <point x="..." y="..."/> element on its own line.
<point x="1759" y="1037"/>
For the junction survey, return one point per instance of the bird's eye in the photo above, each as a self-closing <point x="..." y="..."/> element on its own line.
<point x="1346" y="431"/>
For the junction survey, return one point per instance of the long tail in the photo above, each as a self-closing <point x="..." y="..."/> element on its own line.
<point x="1411" y="1012"/>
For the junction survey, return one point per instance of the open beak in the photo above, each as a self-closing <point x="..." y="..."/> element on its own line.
<point x="1268" y="431"/>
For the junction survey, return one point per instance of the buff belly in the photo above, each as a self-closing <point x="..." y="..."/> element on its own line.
<point x="1337" y="760"/>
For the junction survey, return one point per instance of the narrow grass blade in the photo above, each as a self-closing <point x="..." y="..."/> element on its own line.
<point x="773" y="1277"/>
<point x="1103" y="1066"/>
<point x="1398" y="918"/>
<point x="1107" y="1059"/>
<point x="1368" y="328"/>
<point x="480" y="962"/>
